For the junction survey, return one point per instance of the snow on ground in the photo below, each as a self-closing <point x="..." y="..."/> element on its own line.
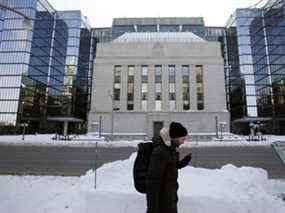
<point x="226" y="190"/>
<point x="39" y="194"/>
<point x="89" y="140"/>
<point x="46" y="140"/>
<point x="229" y="189"/>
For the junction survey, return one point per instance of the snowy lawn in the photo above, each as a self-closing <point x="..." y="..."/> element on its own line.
<point x="226" y="190"/>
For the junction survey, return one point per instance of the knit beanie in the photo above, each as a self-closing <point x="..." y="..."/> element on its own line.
<point x="177" y="130"/>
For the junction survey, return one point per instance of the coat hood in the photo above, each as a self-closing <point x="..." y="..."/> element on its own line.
<point x="164" y="134"/>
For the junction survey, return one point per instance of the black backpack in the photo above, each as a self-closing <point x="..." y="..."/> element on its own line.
<point x="141" y="166"/>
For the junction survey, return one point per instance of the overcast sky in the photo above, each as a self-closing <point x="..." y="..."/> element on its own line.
<point x="101" y="12"/>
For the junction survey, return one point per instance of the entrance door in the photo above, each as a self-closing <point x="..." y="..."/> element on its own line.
<point x="157" y="126"/>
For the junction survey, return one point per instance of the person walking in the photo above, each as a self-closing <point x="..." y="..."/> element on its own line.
<point x="162" y="173"/>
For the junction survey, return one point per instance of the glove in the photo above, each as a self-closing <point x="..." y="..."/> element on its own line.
<point x="185" y="161"/>
<point x="187" y="158"/>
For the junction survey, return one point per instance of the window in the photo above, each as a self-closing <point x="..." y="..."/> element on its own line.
<point x="158" y="87"/>
<point x="172" y="105"/>
<point x="131" y="74"/>
<point x="144" y="88"/>
<point x="158" y="70"/>
<point x="169" y="28"/>
<point x="130" y="97"/>
<point x="144" y="74"/>
<point x="171" y="88"/>
<point x="117" y="94"/>
<point x="186" y="87"/>
<point x="117" y="82"/>
<point x="9" y="106"/>
<point x="200" y="87"/>
<point x="144" y="105"/>
<point x="157" y="105"/>
<point x="146" y="28"/>
<point x="9" y="93"/>
<point x="172" y="85"/>
<point x="8" y="119"/>
<point x="130" y="105"/>
<point x="117" y="79"/>
<point x="10" y="81"/>
<point x="252" y="111"/>
<point x="171" y="72"/>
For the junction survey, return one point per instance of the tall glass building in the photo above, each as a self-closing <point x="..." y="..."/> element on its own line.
<point x="254" y="65"/>
<point x="2" y="15"/>
<point x="79" y="66"/>
<point x="240" y="85"/>
<point x="38" y="66"/>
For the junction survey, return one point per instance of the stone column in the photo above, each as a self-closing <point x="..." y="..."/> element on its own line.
<point x="179" y="93"/>
<point x="137" y="88"/>
<point x="165" y="88"/>
<point x="151" y="89"/>
<point x="124" y="88"/>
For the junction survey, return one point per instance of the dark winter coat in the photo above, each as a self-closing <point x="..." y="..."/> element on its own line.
<point x="162" y="175"/>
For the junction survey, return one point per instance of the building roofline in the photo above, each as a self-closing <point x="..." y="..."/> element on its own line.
<point x="130" y="37"/>
<point x="159" y="20"/>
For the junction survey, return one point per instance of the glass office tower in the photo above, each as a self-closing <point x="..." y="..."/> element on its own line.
<point x="268" y="39"/>
<point x="254" y="67"/>
<point x="239" y="74"/>
<point x="45" y="71"/>
<point x="2" y="15"/>
<point x="31" y="66"/>
<point x="79" y="66"/>
<point x="15" y="52"/>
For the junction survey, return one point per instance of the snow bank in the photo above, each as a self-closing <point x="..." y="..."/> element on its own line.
<point x="226" y="190"/>
<point x="229" y="189"/>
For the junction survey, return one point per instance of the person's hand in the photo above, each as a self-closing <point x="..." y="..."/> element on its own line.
<point x="185" y="161"/>
<point x="188" y="158"/>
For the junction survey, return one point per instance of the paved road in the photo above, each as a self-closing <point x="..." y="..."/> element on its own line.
<point x="74" y="161"/>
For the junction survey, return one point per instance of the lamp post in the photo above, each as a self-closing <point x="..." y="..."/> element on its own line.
<point x="222" y="126"/>
<point x="217" y="128"/>
<point x="24" y="125"/>
<point x="100" y="126"/>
